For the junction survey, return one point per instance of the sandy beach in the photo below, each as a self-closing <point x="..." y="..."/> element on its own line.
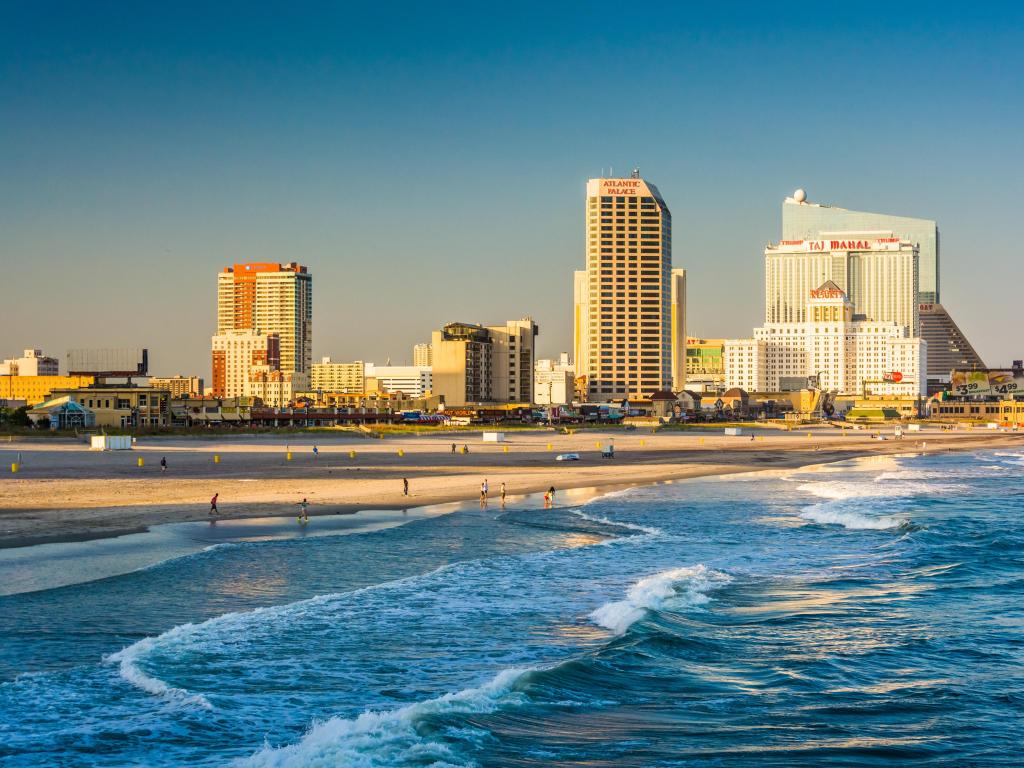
<point x="64" y="491"/>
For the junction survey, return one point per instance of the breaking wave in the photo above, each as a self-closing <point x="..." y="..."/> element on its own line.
<point x="644" y="529"/>
<point x="391" y="738"/>
<point x="677" y="587"/>
<point x="829" y="514"/>
<point x="128" y="667"/>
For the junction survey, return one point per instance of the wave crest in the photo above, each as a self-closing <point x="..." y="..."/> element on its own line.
<point x="644" y="529"/>
<point x="676" y="587"/>
<point x="128" y="667"/>
<point x="390" y="738"/>
<point x="828" y="514"/>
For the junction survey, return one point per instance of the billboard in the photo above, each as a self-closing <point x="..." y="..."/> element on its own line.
<point x="1000" y="383"/>
<point x="108" y="362"/>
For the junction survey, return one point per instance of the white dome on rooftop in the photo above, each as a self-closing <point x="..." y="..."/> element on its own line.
<point x="800" y="196"/>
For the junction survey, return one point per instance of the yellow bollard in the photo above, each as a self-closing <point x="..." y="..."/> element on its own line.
<point x="401" y="453"/>
<point x="351" y="454"/>
<point x="549" y="446"/>
<point x="505" y="449"/>
<point x="14" y="467"/>
<point x="701" y="442"/>
<point x="808" y="434"/>
<point x="288" y="456"/>
<point x="643" y="443"/>
<point x="216" y="458"/>
<point x="142" y="461"/>
<point x="598" y="445"/>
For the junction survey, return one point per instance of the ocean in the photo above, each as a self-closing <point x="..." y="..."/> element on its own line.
<point x="864" y="613"/>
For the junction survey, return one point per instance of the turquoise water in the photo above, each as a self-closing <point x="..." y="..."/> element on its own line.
<point x="863" y="613"/>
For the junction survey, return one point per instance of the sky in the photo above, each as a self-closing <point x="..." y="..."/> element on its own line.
<point x="428" y="161"/>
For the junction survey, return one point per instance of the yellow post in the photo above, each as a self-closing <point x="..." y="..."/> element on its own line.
<point x="216" y="458"/>
<point x="142" y="461"/>
<point x="643" y="443"/>
<point x="401" y="452"/>
<point x="702" y="441"/>
<point x="288" y="456"/>
<point x="14" y="467"/>
<point x="505" y="449"/>
<point x="549" y="446"/>
<point x="808" y="434"/>
<point x="351" y="454"/>
<point x="597" y="444"/>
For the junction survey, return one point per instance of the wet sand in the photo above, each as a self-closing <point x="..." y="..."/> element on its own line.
<point x="66" y="492"/>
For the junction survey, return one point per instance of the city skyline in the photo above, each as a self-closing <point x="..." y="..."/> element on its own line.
<point x="138" y="164"/>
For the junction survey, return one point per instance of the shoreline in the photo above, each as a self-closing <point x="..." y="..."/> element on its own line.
<point x="372" y="487"/>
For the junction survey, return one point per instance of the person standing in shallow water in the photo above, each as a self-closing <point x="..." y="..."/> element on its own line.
<point x="405" y="486"/>
<point x="503" y="495"/>
<point x="304" y="511"/>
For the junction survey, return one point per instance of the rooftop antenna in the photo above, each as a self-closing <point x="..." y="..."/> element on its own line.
<point x="635" y="174"/>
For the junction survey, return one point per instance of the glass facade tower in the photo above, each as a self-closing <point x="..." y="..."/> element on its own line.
<point x="811" y="221"/>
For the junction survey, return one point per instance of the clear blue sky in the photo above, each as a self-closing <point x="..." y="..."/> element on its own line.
<point x="427" y="161"/>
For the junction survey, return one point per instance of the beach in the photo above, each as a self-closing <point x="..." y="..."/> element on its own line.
<point x="64" y="491"/>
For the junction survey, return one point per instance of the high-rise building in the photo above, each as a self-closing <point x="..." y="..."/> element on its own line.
<point x="328" y="376"/>
<point x="678" y="330"/>
<point x="31" y="363"/>
<point x="946" y="342"/>
<point x="877" y="270"/>
<point x="422" y="355"/>
<point x="484" y="364"/>
<point x="236" y="353"/>
<point x="803" y="220"/>
<point x="623" y="324"/>
<point x="270" y="298"/>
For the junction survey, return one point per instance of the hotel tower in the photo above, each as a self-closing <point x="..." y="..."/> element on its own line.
<point x="948" y="347"/>
<point x="270" y="299"/>
<point x="630" y="305"/>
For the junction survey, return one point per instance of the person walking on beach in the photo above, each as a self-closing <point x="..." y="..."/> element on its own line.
<point x="453" y="448"/>
<point x="405" y="486"/>
<point x="304" y="511"/>
<point x="465" y="449"/>
<point x="503" y="495"/>
<point x="163" y="464"/>
<point x="316" y="451"/>
<point x="483" y="493"/>
<point x="213" y="504"/>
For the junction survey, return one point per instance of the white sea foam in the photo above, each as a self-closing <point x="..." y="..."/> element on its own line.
<point x="678" y="587"/>
<point x="645" y="529"/>
<point x="390" y="738"/>
<point x="190" y="634"/>
<point x="830" y="514"/>
<point x="610" y="495"/>
<point x="129" y="669"/>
